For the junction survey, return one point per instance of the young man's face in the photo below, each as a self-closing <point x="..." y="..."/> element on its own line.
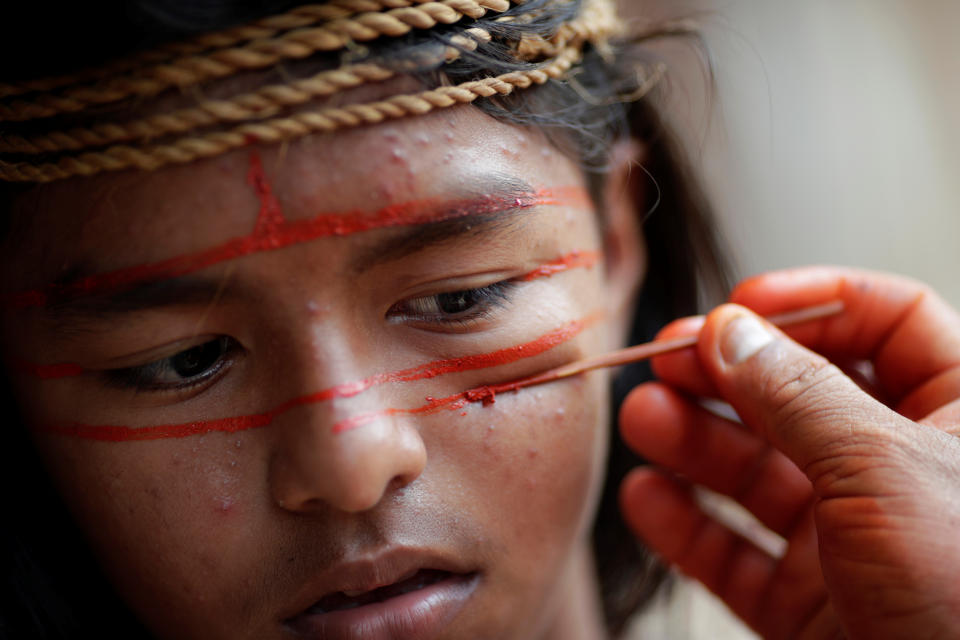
<point x="258" y="419"/>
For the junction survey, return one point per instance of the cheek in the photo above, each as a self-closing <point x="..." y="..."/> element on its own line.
<point x="530" y="468"/>
<point x="173" y="522"/>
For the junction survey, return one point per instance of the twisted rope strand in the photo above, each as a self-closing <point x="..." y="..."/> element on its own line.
<point x="597" y="21"/>
<point x="262" y="103"/>
<point x="257" y="54"/>
<point x="268" y="27"/>
<point x="297" y="125"/>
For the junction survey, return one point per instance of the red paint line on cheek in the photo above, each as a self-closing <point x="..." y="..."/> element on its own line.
<point x="279" y="233"/>
<point x="116" y="433"/>
<point x="484" y="394"/>
<point x="572" y="260"/>
<point x="46" y="371"/>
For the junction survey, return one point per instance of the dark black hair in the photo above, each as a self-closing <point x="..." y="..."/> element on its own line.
<point x="53" y="587"/>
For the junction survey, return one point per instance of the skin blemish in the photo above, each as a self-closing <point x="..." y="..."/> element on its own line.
<point x="283" y="233"/>
<point x="225" y="505"/>
<point x="560" y="335"/>
<point x="572" y="260"/>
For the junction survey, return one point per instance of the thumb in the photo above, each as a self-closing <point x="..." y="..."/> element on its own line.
<point x="794" y="398"/>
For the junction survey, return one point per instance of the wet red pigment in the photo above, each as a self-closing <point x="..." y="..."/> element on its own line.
<point x="117" y="433"/>
<point x="486" y="394"/>
<point x="272" y="231"/>
<point x="572" y="260"/>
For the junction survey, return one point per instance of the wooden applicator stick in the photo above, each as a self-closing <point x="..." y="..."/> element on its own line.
<point x="660" y="347"/>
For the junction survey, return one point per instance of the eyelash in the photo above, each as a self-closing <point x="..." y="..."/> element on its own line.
<point x="479" y="303"/>
<point x="147" y="377"/>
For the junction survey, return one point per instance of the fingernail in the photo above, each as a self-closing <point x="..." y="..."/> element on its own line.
<point x="742" y="337"/>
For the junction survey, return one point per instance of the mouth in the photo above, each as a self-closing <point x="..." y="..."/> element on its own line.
<point x="419" y="604"/>
<point x="344" y="600"/>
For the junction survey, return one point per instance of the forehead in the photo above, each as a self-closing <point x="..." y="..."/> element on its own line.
<point x="113" y="221"/>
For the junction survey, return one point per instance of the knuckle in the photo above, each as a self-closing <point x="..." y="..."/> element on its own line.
<point x="798" y="391"/>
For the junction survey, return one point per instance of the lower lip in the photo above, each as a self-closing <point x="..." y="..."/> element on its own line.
<point x="419" y="614"/>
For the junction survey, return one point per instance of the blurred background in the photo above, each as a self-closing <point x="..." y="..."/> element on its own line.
<point x="830" y="134"/>
<point x="833" y="132"/>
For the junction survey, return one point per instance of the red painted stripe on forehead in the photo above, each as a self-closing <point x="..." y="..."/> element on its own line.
<point x="117" y="433"/>
<point x="573" y="260"/>
<point x="273" y="232"/>
<point x="270" y="216"/>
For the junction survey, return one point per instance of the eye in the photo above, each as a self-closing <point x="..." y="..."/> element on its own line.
<point x="185" y="369"/>
<point x="454" y="307"/>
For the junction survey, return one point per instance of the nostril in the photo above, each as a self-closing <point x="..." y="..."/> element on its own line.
<point x="401" y="481"/>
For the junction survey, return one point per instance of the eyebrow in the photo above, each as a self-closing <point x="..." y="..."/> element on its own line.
<point x="79" y="298"/>
<point x="503" y="195"/>
<point x="487" y="213"/>
<point x="151" y="294"/>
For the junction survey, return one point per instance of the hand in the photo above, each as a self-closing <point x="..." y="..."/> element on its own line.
<point x="865" y="490"/>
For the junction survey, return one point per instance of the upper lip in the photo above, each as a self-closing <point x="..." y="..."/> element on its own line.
<point x="371" y="571"/>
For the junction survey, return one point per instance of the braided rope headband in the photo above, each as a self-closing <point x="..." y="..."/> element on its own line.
<point x="258" y="116"/>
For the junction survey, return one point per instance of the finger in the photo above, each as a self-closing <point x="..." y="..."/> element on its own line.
<point x="939" y="391"/>
<point x="675" y="433"/>
<point x="946" y="418"/>
<point x="664" y="514"/>
<point x="798" y="578"/>
<point x="794" y="398"/>
<point x="682" y="368"/>
<point x="905" y="328"/>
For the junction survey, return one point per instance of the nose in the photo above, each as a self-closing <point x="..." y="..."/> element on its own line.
<point x="313" y="467"/>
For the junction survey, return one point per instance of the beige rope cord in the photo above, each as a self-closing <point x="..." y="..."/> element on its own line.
<point x="269" y="27"/>
<point x="256" y="110"/>
<point x="281" y="129"/>
<point x="260" y="53"/>
<point x="256" y="105"/>
<point x="267" y="101"/>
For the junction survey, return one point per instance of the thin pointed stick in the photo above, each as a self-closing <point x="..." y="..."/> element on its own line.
<point x="660" y="347"/>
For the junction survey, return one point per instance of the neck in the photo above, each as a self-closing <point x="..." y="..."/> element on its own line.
<point x="579" y="611"/>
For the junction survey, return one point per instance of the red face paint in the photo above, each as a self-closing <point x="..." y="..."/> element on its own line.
<point x="507" y="355"/>
<point x="572" y="260"/>
<point x="270" y="217"/>
<point x="272" y="231"/>
<point x="46" y="371"/>
<point x="486" y="394"/>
